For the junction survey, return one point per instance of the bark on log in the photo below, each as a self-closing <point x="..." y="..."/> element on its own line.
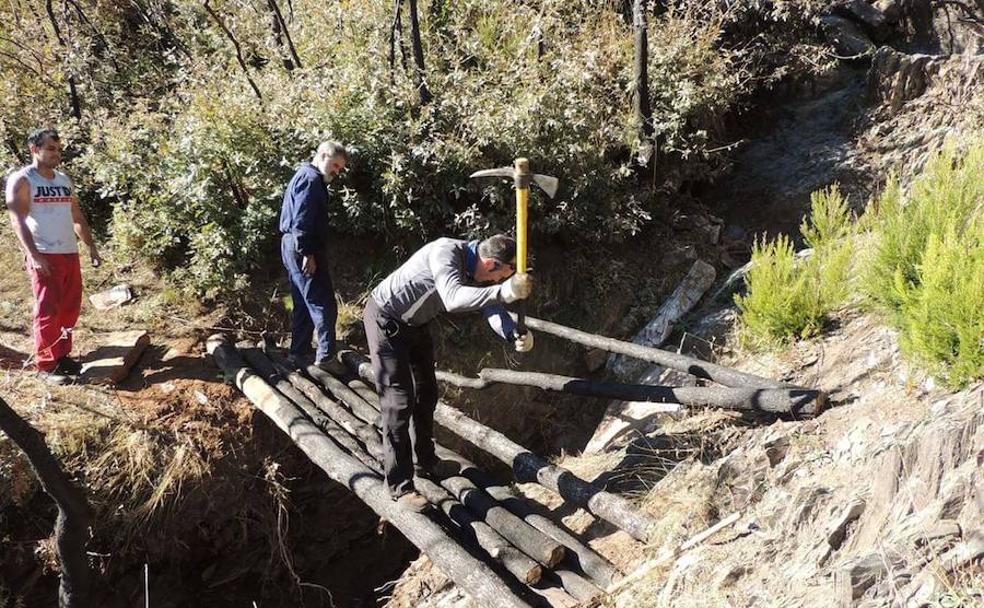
<point x="521" y="534"/>
<point x="472" y="575"/>
<point x="584" y="558"/>
<point x="348" y="421"/>
<point x="344" y="394"/>
<point x="801" y="402"/>
<point x="691" y="289"/>
<point x="515" y="561"/>
<point x="529" y="467"/>
<point x="72" y="522"/>
<point x="690" y="365"/>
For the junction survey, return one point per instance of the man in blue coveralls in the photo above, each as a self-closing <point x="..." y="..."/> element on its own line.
<point x="303" y="247"/>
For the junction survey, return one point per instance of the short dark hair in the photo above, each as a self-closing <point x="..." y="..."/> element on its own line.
<point x="499" y="247"/>
<point x="37" y="137"/>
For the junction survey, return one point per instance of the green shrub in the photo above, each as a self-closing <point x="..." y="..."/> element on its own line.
<point x="792" y="296"/>
<point x="926" y="269"/>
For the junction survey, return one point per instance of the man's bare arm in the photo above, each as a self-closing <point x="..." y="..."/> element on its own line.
<point x="18" y="206"/>
<point x="83" y="231"/>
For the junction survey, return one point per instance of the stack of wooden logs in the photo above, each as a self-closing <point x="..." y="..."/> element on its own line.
<point x="499" y="548"/>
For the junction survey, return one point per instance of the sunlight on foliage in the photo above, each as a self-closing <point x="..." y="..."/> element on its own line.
<point x="791" y="296"/>
<point x="926" y="268"/>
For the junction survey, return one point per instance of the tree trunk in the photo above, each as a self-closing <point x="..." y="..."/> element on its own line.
<point x="690" y="365"/>
<point x="640" y="93"/>
<point x="235" y="43"/>
<point x="801" y="402"/>
<point x="418" y="56"/>
<point x="72" y="523"/>
<point x="281" y="32"/>
<point x="472" y="575"/>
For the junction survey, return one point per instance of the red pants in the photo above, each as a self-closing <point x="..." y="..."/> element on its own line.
<point x="57" y="303"/>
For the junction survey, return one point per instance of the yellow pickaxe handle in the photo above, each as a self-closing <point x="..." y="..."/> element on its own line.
<point x="522" y="178"/>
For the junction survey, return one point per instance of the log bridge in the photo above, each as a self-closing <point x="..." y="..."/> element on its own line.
<point x="503" y="550"/>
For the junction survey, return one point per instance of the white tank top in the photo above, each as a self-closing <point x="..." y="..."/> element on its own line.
<point x="50" y="216"/>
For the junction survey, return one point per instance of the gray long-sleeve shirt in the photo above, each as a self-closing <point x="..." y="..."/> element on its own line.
<point x="439" y="278"/>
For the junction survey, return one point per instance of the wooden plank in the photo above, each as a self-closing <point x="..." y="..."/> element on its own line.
<point x="116" y="355"/>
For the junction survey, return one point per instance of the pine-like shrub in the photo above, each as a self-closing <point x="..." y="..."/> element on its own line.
<point x="792" y="296"/>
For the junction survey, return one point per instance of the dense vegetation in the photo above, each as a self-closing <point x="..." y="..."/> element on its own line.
<point x="185" y="118"/>
<point x="922" y="267"/>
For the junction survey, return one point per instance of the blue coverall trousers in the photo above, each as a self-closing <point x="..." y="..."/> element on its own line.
<point x="315" y="309"/>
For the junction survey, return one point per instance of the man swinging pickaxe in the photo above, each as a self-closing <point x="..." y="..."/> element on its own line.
<point x="522" y="177"/>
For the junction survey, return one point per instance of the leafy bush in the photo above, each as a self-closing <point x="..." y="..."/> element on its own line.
<point x="189" y="162"/>
<point x="926" y="267"/>
<point x="792" y="296"/>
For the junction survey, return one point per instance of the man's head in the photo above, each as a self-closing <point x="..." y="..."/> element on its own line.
<point x="45" y="147"/>
<point x="496" y="259"/>
<point x="330" y="159"/>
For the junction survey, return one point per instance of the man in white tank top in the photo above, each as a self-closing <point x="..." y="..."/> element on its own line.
<point x="45" y="214"/>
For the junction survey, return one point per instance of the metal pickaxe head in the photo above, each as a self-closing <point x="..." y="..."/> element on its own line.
<point x="522" y="177"/>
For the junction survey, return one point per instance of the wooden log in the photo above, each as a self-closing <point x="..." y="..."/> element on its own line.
<point x="346" y="419"/>
<point x="71" y="523"/>
<point x="584" y="558"/>
<point x="529" y="467"/>
<point x="472" y="575"/>
<point x="344" y="394"/>
<point x="701" y="369"/>
<point x="492" y="526"/>
<point x="691" y="289"/>
<point x="513" y="560"/>
<point x="521" y="534"/>
<point x="801" y="402"/>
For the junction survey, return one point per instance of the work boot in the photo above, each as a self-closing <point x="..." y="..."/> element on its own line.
<point x="300" y="361"/>
<point x="436" y="471"/>
<point x="331" y="365"/>
<point x="68" y="366"/>
<point x="413" y="501"/>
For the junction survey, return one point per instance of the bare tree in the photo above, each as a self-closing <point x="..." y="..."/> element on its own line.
<point x="418" y="56"/>
<point x="640" y="95"/>
<point x="72" y="524"/>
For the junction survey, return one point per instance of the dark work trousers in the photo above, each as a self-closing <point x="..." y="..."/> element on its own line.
<point x="403" y="365"/>
<point x="315" y="309"/>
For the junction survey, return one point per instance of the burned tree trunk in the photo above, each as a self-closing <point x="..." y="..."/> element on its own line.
<point x="801" y="402"/>
<point x="696" y="367"/>
<point x="472" y="575"/>
<point x="73" y="92"/>
<point x="72" y="524"/>
<point x="640" y="93"/>
<point x="418" y="55"/>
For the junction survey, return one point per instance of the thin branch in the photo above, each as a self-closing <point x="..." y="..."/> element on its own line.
<point x="73" y="92"/>
<point x="283" y="25"/>
<point x="235" y="43"/>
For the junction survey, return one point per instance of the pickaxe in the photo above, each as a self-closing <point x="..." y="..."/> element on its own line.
<point x="522" y="177"/>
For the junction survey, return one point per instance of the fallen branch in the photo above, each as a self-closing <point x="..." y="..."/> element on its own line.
<point x="696" y="367"/>
<point x="793" y="400"/>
